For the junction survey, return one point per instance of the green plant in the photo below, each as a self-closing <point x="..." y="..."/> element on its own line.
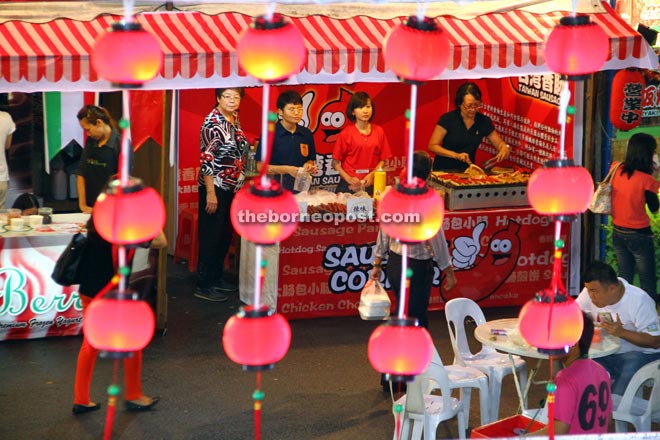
<point x="610" y="256"/>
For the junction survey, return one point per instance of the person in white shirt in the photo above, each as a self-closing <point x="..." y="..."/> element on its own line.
<point x="624" y="311"/>
<point x="7" y="129"/>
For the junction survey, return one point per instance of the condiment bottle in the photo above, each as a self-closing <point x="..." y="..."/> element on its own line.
<point x="380" y="176"/>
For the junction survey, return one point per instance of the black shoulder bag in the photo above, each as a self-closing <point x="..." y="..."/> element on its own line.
<point x="66" y="269"/>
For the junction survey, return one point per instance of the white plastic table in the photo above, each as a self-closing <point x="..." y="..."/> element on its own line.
<point x="508" y="340"/>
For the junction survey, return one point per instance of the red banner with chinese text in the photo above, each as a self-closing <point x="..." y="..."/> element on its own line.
<point x="524" y="110"/>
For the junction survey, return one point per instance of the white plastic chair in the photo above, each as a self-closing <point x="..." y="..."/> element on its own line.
<point x="466" y="378"/>
<point x="425" y="411"/>
<point x="493" y="364"/>
<point x="632" y="407"/>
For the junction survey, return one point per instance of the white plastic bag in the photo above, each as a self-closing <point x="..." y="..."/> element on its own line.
<point x="303" y="180"/>
<point x="374" y="301"/>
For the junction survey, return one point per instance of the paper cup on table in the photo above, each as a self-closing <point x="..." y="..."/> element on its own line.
<point x="17" y="223"/>
<point x="35" y="220"/>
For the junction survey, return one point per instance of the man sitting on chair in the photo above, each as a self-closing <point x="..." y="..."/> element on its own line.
<point x="624" y="311"/>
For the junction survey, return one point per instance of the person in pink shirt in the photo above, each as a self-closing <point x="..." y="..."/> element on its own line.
<point x="634" y="186"/>
<point x="361" y="148"/>
<point x="583" y="400"/>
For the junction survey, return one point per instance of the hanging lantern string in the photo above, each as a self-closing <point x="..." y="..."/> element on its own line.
<point x="265" y="99"/>
<point x="411" y="132"/>
<point x="574" y="10"/>
<point x="404" y="270"/>
<point x="125" y="139"/>
<point x="128" y="11"/>
<point x="258" y="397"/>
<point x="555" y="281"/>
<point x="398" y="409"/>
<point x="551" y="387"/>
<point x="113" y="391"/>
<point x="270" y="10"/>
<point x="421" y="9"/>
<point x="564" y="98"/>
<point x="124" y="161"/>
<point x="259" y="274"/>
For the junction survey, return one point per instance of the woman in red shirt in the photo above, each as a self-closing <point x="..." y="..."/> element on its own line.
<point x="361" y="148"/>
<point x="635" y="186"/>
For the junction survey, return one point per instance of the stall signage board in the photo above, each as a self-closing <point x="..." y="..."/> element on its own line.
<point x="501" y="258"/>
<point x="32" y="305"/>
<point x="360" y="206"/>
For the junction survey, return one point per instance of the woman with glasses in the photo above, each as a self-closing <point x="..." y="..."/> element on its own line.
<point x="223" y="147"/>
<point x="459" y="132"/>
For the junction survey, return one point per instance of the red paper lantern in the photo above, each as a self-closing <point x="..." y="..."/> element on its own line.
<point x="400" y="349"/>
<point x="129" y="215"/>
<point x="119" y="322"/>
<point x="271" y="50"/>
<point x="256" y="338"/>
<point x="127" y="55"/>
<point x="626" y="100"/>
<point x="417" y="50"/>
<point x="560" y="189"/>
<point x="264" y="214"/>
<point x="411" y="212"/>
<point x="576" y="47"/>
<point x="552" y="328"/>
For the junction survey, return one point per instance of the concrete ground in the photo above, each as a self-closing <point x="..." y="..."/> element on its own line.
<point x="324" y="388"/>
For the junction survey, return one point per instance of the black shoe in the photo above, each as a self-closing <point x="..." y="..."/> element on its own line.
<point x="132" y="406"/>
<point x="82" y="409"/>
<point x="209" y="294"/>
<point x="225" y="286"/>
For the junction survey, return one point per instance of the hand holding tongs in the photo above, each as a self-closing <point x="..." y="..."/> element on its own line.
<point x="490" y="163"/>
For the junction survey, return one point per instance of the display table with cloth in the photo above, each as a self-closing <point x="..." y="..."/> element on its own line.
<point x="32" y="305"/>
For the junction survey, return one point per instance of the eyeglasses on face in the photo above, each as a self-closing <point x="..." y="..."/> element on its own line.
<point x="231" y="97"/>
<point x="293" y="110"/>
<point x="473" y="106"/>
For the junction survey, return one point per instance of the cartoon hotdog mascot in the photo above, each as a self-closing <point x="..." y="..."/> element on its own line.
<point x="478" y="277"/>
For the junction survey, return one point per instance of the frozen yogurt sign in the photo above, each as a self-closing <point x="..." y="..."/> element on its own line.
<point x="24" y="314"/>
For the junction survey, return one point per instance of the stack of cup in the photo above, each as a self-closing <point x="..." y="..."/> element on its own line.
<point x="17" y="223"/>
<point x="35" y="220"/>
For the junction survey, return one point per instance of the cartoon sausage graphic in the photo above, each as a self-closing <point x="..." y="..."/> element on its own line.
<point x="479" y="281"/>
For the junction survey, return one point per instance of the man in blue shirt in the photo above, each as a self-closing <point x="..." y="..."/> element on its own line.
<point x="293" y="145"/>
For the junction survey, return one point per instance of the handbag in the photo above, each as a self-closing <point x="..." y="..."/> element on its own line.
<point x="601" y="202"/>
<point x="66" y="271"/>
<point x="374" y="301"/>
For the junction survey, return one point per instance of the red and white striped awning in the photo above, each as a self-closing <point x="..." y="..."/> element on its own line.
<point x="200" y="49"/>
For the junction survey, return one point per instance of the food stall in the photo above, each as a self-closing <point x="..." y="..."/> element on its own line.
<point x="323" y="267"/>
<point x="344" y="54"/>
